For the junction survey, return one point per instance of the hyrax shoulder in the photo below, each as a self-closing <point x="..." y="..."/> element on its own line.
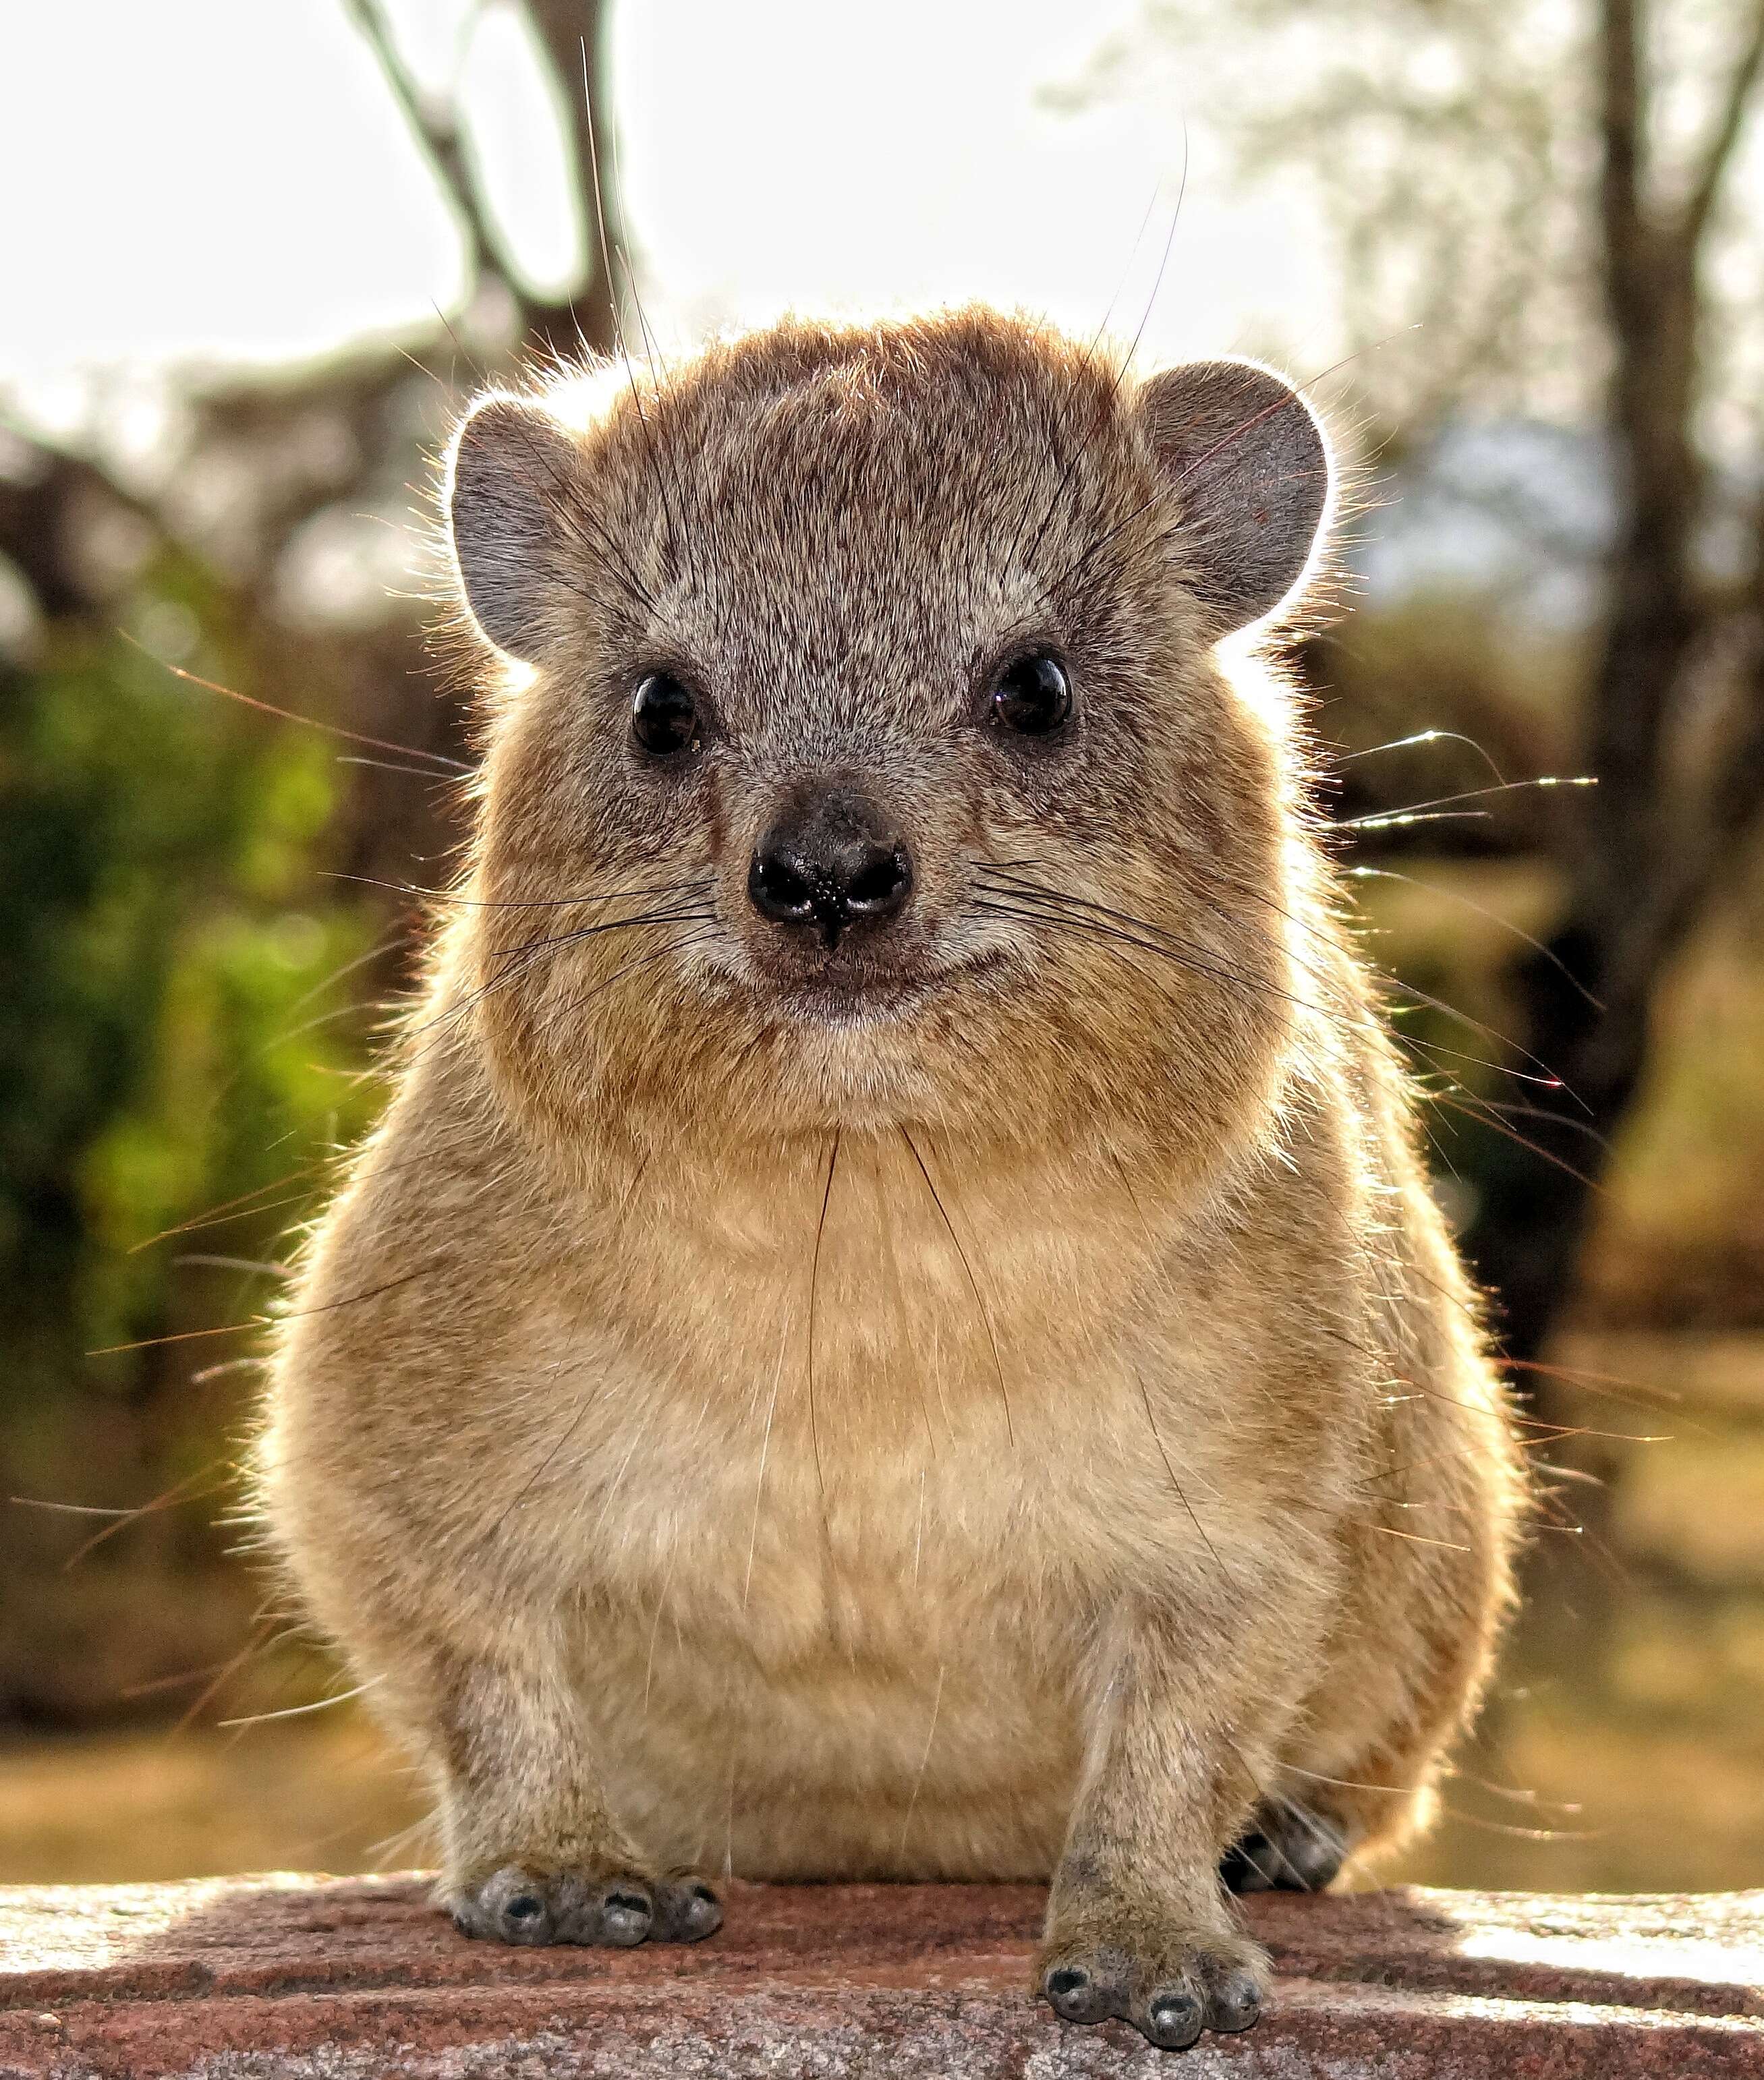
<point x="893" y="1320"/>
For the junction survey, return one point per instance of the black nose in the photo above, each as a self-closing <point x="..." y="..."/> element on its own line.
<point x="832" y="862"/>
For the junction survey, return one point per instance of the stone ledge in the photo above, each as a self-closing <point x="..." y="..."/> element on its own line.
<point x="254" y="1979"/>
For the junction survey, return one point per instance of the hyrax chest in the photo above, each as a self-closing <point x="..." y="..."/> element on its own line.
<point x="847" y="1419"/>
<point x="853" y="1502"/>
<point x="840" y="1645"/>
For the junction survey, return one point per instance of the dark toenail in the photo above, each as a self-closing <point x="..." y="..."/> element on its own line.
<point x="1071" y="1994"/>
<point x="704" y="1892"/>
<point x="523" y="1906"/>
<point x="628" y="1902"/>
<point x="1175" y="2019"/>
<point x="1237" y="2002"/>
<point x="1175" y="2007"/>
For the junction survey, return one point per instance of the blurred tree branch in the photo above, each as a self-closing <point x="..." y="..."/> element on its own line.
<point x="571" y="35"/>
<point x="51" y="503"/>
<point x="1725" y="134"/>
<point x="435" y="125"/>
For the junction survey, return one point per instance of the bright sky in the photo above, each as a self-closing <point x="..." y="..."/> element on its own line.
<point x="225" y="178"/>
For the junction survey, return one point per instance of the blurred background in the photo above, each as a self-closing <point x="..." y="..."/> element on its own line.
<point x="254" y="258"/>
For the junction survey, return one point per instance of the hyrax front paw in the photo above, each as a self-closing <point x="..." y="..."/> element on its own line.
<point x="1171" y="1983"/>
<point x="522" y="1904"/>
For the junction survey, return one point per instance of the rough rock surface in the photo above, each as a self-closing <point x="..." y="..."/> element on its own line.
<point x="346" y="1978"/>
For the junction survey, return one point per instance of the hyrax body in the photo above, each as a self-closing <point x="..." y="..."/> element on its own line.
<point x="893" y="1328"/>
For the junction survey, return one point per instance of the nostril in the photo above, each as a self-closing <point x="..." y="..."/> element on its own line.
<point x="778" y="889"/>
<point x="879" y="883"/>
<point x="831" y="862"/>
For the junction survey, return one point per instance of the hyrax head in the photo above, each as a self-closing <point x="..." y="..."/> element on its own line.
<point x="863" y="757"/>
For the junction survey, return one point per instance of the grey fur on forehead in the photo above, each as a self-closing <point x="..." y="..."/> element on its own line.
<point x="1237" y="448"/>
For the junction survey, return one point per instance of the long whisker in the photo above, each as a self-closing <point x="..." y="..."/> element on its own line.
<point x="188" y="1489"/>
<point x="1423" y="737"/>
<point x="1023" y="907"/>
<point x="302" y="1711"/>
<point x="1412" y="813"/>
<point x="1493" y="916"/>
<point x="1463" y="1104"/>
<point x="1172" y="529"/>
<point x="530" y="953"/>
<point x="814" y="1282"/>
<point x="1545" y="1076"/>
<point x="262" y="1625"/>
<point x="675" y="533"/>
<point x="567" y="508"/>
<point x="1078" y="929"/>
<point x="526" y="902"/>
<point x="264" y="1322"/>
<point x="287" y="714"/>
<point x="1167" y="943"/>
<point x="642" y="961"/>
<point x="696" y="914"/>
<point x="765" y="1448"/>
<point x="985" y="1316"/>
<point x="1027" y="893"/>
<point x="1057" y="497"/>
<point x="261" y="1200"/>
<point x="239" y="1208"/>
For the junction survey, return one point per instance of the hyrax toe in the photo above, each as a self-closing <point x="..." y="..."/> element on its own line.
<point x="520" y="1904"/>
<point x="686" y="1910"/>
<point x="1170" y="1984"/>
<point x="513" y="1905"/>
<point x="1084" y="1984"/>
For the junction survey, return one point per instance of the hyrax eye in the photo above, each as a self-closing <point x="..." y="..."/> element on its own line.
<point x="664" y="716"/>
<point x="1033" y="696"/>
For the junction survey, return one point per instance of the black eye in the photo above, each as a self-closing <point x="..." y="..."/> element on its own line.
<point x="1032" y="696"/>
<point x="664" y="716"/>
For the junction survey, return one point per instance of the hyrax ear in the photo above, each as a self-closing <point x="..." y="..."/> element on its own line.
<point x="511" y="474"/>
<point x="1250" y="470"/>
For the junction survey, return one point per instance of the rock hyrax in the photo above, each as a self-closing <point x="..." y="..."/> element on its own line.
<point x="893" y="1328"/>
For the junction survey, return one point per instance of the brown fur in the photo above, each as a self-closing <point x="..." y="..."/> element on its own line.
<point x="1028" y="1425"/>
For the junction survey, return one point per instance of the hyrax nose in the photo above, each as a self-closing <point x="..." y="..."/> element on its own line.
<point x="832" y="862"/>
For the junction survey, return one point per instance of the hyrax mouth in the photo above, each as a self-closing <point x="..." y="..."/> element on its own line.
<point x="851" y="1004"/>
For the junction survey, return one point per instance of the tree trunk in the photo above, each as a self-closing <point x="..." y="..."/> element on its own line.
<point x="1627" y="909"/>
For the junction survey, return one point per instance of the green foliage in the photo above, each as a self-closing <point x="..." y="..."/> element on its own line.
<point x="162" y="946"/>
